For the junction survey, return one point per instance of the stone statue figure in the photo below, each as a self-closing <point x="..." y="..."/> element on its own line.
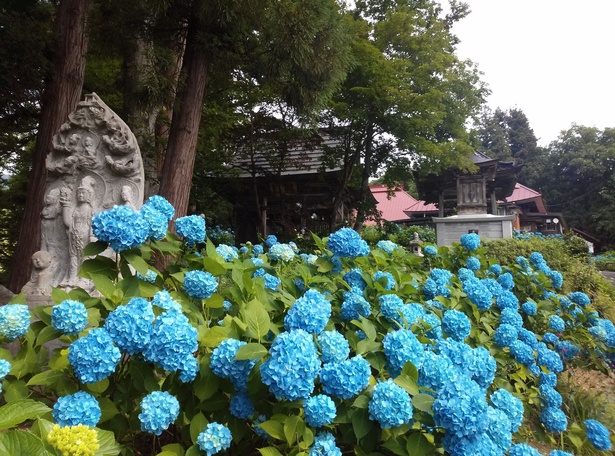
<point x="93" y="164"/>
<point x="41" y="278"/>
<point x="78" y="221"/>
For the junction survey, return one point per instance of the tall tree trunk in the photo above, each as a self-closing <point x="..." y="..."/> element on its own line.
<point x="366" y="173"/>
<point x="178" y="164"/>
<point x="62" y="93"/>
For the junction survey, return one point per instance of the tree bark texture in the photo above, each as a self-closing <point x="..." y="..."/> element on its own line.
<point x="62" y="93"/>
<point x="178" y="166"/>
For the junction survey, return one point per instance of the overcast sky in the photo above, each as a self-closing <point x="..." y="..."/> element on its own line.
<point x="553" y="59"/>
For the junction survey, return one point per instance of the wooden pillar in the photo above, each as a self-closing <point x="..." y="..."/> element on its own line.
<point x="441" y="205"/>
<point x="494" y="205"/>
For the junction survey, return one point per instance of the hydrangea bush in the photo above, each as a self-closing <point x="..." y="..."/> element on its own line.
<point x="345" y="349"/>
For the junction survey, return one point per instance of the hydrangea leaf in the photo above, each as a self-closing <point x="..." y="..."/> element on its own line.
<point x="250" y="351"/>
<point x="214" y="267"/>
<point x="108" y="445"/>
<point x="108" y="409"/>
<point x="174" y="448"/>
<point x="274" y="428"/>
<point x="418" y="444"/>
<point x="21" y="442"/>
<point x="257" y="319"/>
<point x="269" y="451"/>
<point x="17" y="412"/>
<point x="95" y="248"/>
<point x="46" y="378"/>
<point x="47" y="333"/>
<point x="103" y="284"/>
<point x="197" y="424"/>
<point x="58" y="295"/>
<point x="293" y="426"/>
<point x="407" y="383"/>
<point x="136" y="261"/>
<point x="361" y="423"/>
<point x="423" y="402"/>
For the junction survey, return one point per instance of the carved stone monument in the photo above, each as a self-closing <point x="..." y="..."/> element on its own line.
<point x="94" y="164"/>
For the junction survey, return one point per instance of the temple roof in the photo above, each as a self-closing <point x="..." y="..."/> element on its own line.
<point x="392" y="209"/>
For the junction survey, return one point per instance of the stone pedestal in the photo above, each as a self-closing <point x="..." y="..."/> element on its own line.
<point x="450" y="229"/>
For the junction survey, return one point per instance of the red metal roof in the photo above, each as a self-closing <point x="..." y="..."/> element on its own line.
<point x="522" y="194"/>
<point x="392" y="209"/>
<point x="421" y="206"/>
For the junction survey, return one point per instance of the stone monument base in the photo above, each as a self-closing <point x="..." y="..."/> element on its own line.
<point x="488" y="226"/>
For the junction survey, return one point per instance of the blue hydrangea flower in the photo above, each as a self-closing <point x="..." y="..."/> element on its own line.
<point x="430" y="250"/>
<point x="493" y="286"/>
<point x="522" y="353"/>
<point x="188" y="369"/>
<point x="478" y="293"/>
<point x="389" y="283"/>
<point x="94" y="356"/>
<point x="158" y="411"/>
<point x="387" y="246"/>
<point x="567" y="350"/>
<point x="435" y="371"/>
<point x="556" y="323"/>
<point x="550" y="338"/>
<point x="334" y="347"/>
<point x="456" y="324"/>
<point x="347" y="243"/>
<point x="390" y="405"/>
<point x="473" y="263"/>
<point x="292" y="367"/>
<point x="122" y="228"/>
<point x="461" y="407"/>
<point x="400" y="347"/>
<point x="354" y="306"/>
<point x="551" y="360"/>
<point x="528" y="337"/>
<point x="200" y="284"/>
<point x="479" y="444"/>
<point x="271" y="282"/>
<point x="513" y="408"/>
<point x="390" y="307"/>
<point x="308" y="258"/>
<point x="507" y="300"/>
<point x="157" y="222"/>
<point x="244" y="249"/>
<point x="258" y="249"/>
<point x="506" y="281"/>
<point x="226" y="305"/>
<point x="523" y="449"/>
<point x="14" y="321"/>
<point x="560" y="453"/>
<point x="354" y="278"/>
<point x="598" y="435"/>
<point x="270" y="241"/>
<point x="579" y="298"/>
<point x="550" y="396"/>
<point x="498" y="429"/>
<point x="510" y="316"/>
<point x="5" y="368"/>
<point x="259" y="430"/>
<point x="224" y="365"/>
<point x="436" y="284"/>
<point x="324" y="445"/>
<point x="319" y="410"/>
<point x="164" y="300"/>
<point x="227" y="252"/>
<point x="161" y="205"/>
<point x="346" y="379"/>
<point x="547" y="378"/>
<point x="130" y="325"/>
<point x="529" y="308"/>
<point x="69" y="317"/>
<point x="536" y="258"/>
<point x="524" y="263"/>
<point x="412" y="313"/>
<point x="465" y="274"/>
<point x="483" y="367"/>
<point x="241" y="406"/>
<point x="460" y="354"/>
<point x="75" y="409"/>
<point x="495" y="269"/>
<point x="505" y="335"/>
<point x="470" y="241"/>
<point x="172" y="341"/>
<point x="150" y="276"/>
<point x="557" y="280"/>
<point x="554" y="419"/>
<point x="191" y="228"/>
<point x="310" y="312"/>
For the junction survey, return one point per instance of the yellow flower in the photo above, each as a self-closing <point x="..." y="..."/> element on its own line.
<point x="74" y="440"/>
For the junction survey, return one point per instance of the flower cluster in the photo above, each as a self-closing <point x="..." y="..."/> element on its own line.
<point x="346" y="379"/>
<point x="430" y="250"/>
<point x="324" y="445"/>
<point x="310" y="312"/>
<point x="390" y="405"/>
<point x="157" y="221"/>
<point x="77" y="440"/>
<point x="5" y="368"/>
<point x="214" y="438"/>
<point x="387" y="246"/>
<point x="319" y="410"/>
<point x="456" y="324"/>
<point x="130" y="325"/>
<point x="69" y="317"/>
<point x="224" y="365"/>
<point x="389" y="283"/>
<point x="473" y="263"/>
<point x="227" y="252"/>
<point x="292" y="367"/>
<point x="400" y="347"/>
<point x="354" y="306"/>
<point x="94" y="356"/>
<point x="191" y="228"/>
<point x="281" y="252"/>
<point x="334" y="347"/>
<point x="158" y="411"/>
<point x="122" y="228"/>
<point x="346" y="243"/>
<point x="78" y="408"/>
<point x="14" y="321"/>
<point x="470" y="241"/>
<point x="354" y="278"/>
<point x="241" y="406"/>
<point x="161" y="205"/>
<point x="598" y="435"/>
<point x="200" y="284"/>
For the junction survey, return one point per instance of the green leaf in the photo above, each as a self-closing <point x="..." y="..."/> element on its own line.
<point x="423" y="402"/>
<point x="418" y="444"/>
<point x="361" y="423"/>
<point x="274" y="428"/>
<point x="361" y="402"/>
<point x="17" y="412"/>
<point x="98" y="387"/>
<point x="136" y="261"/>
<point x="269" y="451"/>
<point x="48" y="378"/>
<point x="213" y="267"/>
<point x="214" y="302"/>
<point x="103" y="284"/>
<point x="194" y="450"/>
<point x="95" y="248"/>
<point x="411" y="371"/>
<point x="257" y="319"/>
<point x="217" y="334"/>
<point x="58" y="295"/>
<point x="197" y="424"/>
<point x="21" y="443"/>
<point x="108" y="445"/>
<point x="48" y="333"/>
<point x="407" y="383"/>
<point x="250" y="351"/>
<point x="293" y="427"/>
<point x="108" y="409"/>
<point x="175" y="449"/>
